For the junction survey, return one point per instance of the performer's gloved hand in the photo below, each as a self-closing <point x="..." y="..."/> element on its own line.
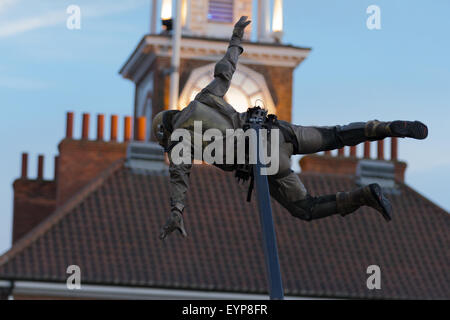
<point x="175" y="222"/>
<point x="239" y="27"/>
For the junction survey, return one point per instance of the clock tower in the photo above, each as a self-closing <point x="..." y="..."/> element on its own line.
<point x="265" y="69"/>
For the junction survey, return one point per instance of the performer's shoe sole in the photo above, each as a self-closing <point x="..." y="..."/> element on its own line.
<point x="416" y="129"/>
<point x="382" y="201"/>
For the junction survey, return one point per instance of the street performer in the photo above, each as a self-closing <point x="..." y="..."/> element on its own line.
<point x="285" y="186"/>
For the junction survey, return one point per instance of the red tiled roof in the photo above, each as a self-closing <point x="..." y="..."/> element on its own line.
<point x="111" y="228"/>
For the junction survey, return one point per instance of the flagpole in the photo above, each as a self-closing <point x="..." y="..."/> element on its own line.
<point x="175" y="61"/>
<point x="276" y="291"/>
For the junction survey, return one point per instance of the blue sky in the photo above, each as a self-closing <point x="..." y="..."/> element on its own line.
<point x="399" y="72"/>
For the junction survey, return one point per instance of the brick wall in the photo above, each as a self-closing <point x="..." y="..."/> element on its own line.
<point x="79" y="162"/>
<point x="280" y="82"/>
<point x="34" y="200"/>
<point x="343" y="164"/>
<point x="82" y="160"/>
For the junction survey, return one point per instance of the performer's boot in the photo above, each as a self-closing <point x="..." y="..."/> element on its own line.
<point x="405" y="129"/>
<point x="371" y="195"/>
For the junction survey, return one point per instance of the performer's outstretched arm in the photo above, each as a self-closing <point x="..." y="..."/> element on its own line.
<point x="179" y="184"/>
<point x="179" y="174"/>
<point x="225" y="68"/>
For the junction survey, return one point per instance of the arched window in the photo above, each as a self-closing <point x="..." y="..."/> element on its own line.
<point x="246" y="88"/>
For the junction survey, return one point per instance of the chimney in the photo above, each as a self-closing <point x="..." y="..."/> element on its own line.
<point x="100" y="127"/>
<point x="34" y="199"/>
<point x="394" y="149"/>
<point x="85" y="130"/>
<point x="114" y="123"/>
<point x="81" y="160"/>
<point x="127" y="129"/>
<point x="367" y="149"/>
<point x="40" y="171"/>
<point x="142" y="154"/>
<point x="353" y="151"/>
<point x="347" y="165"/>
<point x="56" y="168"/>
<point x="69" y="125"/>
<point x="380" y="150"/>
<point x="24" y="174"/>
<point x="141" y="129"/>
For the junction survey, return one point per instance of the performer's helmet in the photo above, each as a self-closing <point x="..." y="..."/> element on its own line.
<point x="158" y="128"/>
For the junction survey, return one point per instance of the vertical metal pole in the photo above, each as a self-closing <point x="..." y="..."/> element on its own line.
<point x="264" y="21"/>
<point x="175" y="63"/>
<point x="268" y="231"/>
<point x="154" y="15"/>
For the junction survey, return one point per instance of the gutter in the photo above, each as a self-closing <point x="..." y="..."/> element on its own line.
<point x="88" y="291"/>
<point x="6" y="289"/>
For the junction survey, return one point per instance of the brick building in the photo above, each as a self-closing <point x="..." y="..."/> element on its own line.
<point x="110" y="196"/>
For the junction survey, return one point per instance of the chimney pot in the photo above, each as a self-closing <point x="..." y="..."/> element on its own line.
<point x="114" y="120"/>
<point x="69" y="125"/>
<point x="367" y="149"/>
<point x="353" y="151"/>
<point x="24" y="165"/>
<point x="327" y="153"/>
<point x="394" y="149"/>
<point x="85" y="132"/>
<point x="40" y="173"/>
<point x="127" y="129"/>
<point x="100" y="126"/>
<point x="380" y="150"/>
<point x="56" y="167"/>
<point x="341" y="152"/>
<point x="141" y="129"/>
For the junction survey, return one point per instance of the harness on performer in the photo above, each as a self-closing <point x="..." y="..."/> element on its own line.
<point x="244" y="172"/>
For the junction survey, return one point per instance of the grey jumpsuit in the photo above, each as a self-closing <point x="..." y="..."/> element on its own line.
<point x="285" y="186"/>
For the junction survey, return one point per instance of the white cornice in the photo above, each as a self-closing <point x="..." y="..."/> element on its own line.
<point x="48" y="289"/>
<point x="213" y="50"/>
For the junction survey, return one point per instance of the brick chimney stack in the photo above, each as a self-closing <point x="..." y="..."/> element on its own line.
<point x="79" y="161"/>
<point x="34" y="199"/>
<point x="343" y="164"/>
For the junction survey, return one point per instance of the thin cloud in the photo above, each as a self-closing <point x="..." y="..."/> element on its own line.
<point x="22" y="83"/>
<point x="20" y="26"/>
<point x="6" y="4"/>
<point x="59" y="17"/>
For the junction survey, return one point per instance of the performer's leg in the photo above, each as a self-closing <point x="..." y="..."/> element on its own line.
<point x="344" y="203"/>
<point x="290" y="192"/>
<point x="315" y="139"/>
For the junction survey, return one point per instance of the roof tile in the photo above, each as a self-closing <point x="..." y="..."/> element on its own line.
<point x="111" y="231"/>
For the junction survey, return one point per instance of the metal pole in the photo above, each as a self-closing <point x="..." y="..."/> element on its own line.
<point x="264" y="21"/>
<point x="175" y="63"/>
<point x="268" y="231"/>
<point x="154" y="19"/>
